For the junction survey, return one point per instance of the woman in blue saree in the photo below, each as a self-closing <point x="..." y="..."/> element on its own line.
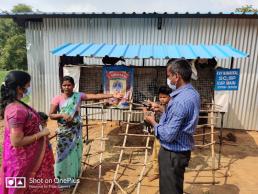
<point x="65" y="108"/>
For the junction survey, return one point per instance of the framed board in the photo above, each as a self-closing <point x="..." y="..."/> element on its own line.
<point x="118" y="78"/>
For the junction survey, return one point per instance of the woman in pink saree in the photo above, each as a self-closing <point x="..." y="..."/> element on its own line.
<point x="27" y="160"/>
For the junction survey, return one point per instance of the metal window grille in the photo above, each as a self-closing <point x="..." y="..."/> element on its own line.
<point x="147" y="81"/>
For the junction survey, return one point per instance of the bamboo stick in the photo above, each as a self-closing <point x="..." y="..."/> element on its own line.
<point x="84" y="125"/>
<point x="121" y="164"/>
<point x="123" y="191"/>
<point x="124" y="147"/>
<point x="194" y="170"/>
<point x="122" y="151"/>
<point x="207" y="117"/>
<point x="102" y="139"/>
<point x="130" y="123"/>
<point x="212" y="104"/>
<point x="205" y="145"/>
<point x="136" y="135"/>
<point x="95" y="179"/>
<point x="134" y="112"/>
<point x="145" y="161"/>
<point x="143" y="170"/>
<point x="129" y="164"/>
<point x="94" y="154"/>
<point x="204" y="125"/>
<point x="205" y="134"/>
<point x="82" y="169"/>
<point x="203" y="182"/>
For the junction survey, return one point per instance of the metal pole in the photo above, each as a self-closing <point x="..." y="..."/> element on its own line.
<point x="101" y="148"/>
<point x="212" y="143"/>
<point x="232" y="63"/>
<point x="87" y="125"/>
<point x="220" y="137"/>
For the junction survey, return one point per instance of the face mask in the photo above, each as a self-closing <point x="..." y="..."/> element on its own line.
<point x="172" y="86"/>
<point x="27" y="93"/>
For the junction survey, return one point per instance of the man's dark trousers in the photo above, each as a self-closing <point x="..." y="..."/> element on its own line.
<point x="171" y="170"/>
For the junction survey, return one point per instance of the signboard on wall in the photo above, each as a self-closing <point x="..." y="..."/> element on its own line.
<point x="118" y="78"/>
<point x="227" y="79"/>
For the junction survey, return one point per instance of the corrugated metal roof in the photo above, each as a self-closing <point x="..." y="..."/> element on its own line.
<point x="34" y="15"/>
<point x="163" y="51"/>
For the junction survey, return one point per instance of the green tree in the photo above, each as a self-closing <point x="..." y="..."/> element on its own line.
<point x="21" y="8"/>
<point x="13" y="55"/>
<point x="12" y="42"/>
<point x="246" y="8"/>
<point x="8" y="29"/>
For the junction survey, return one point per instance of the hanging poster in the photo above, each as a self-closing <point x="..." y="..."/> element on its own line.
<point x="118" y="78"/>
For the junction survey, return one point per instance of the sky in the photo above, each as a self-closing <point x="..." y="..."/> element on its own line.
<point x="202" y="6"/>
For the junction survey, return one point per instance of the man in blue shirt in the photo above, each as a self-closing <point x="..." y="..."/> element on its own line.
<point x="176" y="127"/>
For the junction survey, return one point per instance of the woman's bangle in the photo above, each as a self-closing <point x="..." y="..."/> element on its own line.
<point x="36" y="137"/>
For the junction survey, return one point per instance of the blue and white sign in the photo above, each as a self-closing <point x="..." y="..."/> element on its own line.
<point x="227" y="79"/>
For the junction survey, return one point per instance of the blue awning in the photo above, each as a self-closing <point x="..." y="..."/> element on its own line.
<point x="163" y="51"/>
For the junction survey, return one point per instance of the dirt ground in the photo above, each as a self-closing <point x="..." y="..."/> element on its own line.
<point x="237" y="173"/>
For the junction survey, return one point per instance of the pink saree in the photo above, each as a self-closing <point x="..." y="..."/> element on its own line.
<point x="34" y="161"/>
